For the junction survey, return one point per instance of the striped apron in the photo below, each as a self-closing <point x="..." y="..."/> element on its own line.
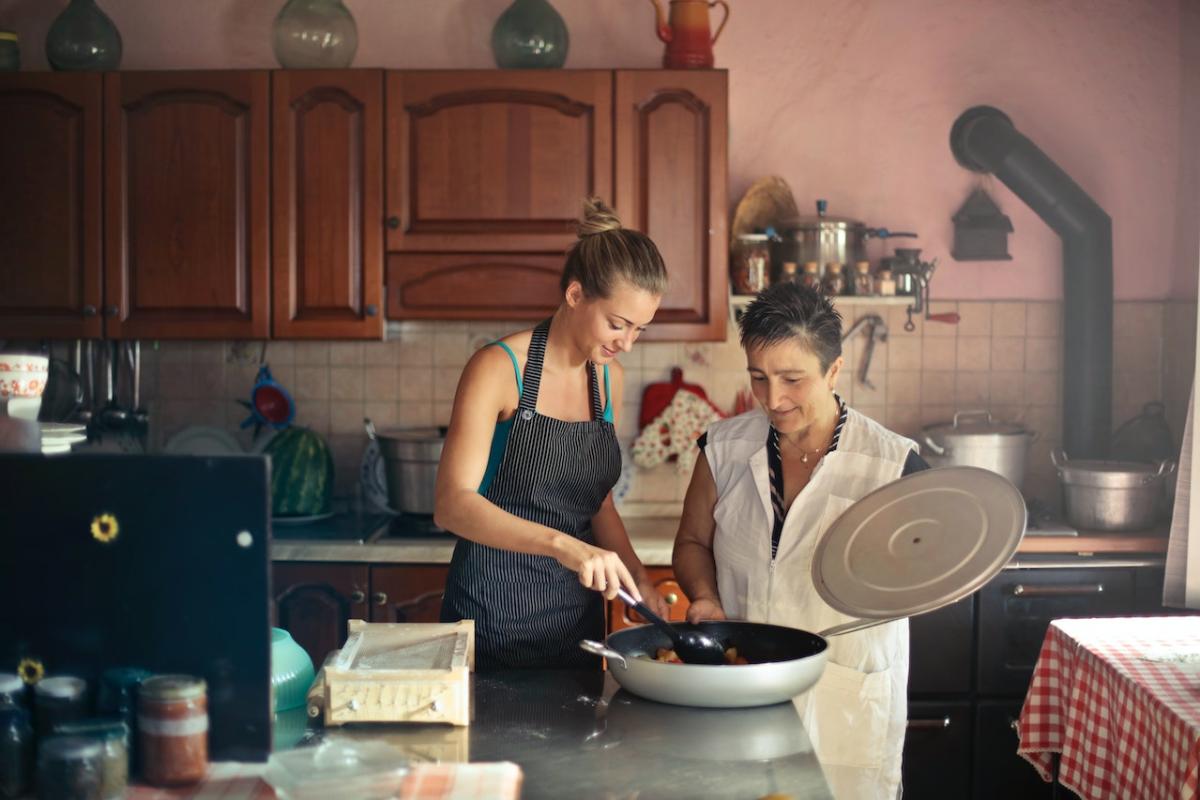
<point x="529" y="610"/>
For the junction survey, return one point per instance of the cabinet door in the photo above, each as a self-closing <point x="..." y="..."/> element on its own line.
<point x="186" y="204"/>
<point x="407" y="594"/>
<point x="671" y="141"/>
<point x="50" y="212"/>
<point x="937" y="750"/>
<point x="327" y="204"/>
<point x="313" y="602"/>
<point x="621" y="616"/>
<point x="999" y="773"/>
<point x="494" y="161"/>
<point x="942" y="644"/>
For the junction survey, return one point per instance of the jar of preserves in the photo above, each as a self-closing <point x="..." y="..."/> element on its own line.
<point x="811" y="278"/>
<point x="58" y="699"/>
<point x="834" y="282"/>
<point x="173" y="729"/>
<point x="750" y="266"/>
<point x="864" y="284"/>
<point x="69" y="768"/>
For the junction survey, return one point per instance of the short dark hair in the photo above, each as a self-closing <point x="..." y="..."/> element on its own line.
<point x="789" y="311"/>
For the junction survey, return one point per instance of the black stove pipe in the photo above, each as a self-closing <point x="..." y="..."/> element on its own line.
<point x="983" y="139"/>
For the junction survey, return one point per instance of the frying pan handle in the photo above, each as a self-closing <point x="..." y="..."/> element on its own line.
<point x="597" y="649"/>
<point x="855" y="625"/>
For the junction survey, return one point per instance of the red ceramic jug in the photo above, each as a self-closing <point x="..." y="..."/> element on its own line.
<point x="686" y="32"/>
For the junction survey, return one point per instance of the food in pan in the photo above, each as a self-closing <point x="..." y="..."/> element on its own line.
<point x="668" y="656"/>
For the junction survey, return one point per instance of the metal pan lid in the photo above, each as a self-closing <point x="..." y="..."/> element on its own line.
<point x="919" y="543"/>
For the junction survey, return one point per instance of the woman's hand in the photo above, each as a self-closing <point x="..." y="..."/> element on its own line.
<point x="597" y="568"/>
<point x="703" y="609"/>
<point x="651" y="597"/>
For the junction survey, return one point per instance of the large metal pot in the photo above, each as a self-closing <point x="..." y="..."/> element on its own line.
<point x="1112" y="495"/>
<point x="825" y="239"/>
<point x="410" y="459"/>
<point x="974" y="439"/>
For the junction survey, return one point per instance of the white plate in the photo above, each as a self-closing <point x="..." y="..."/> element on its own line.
<point x="373" y="476"/>
<point x="55" y="449"/>
<point x="201" y="440"/>
<point x="301" y="520"/>
<point x="55" y="430"/>
<point x="68" y="439"/>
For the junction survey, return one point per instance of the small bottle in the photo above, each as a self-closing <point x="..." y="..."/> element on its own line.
<point x="885" y="285"/>
<point x="787" y="273"/>
<point x="811" y="278"/>
<point x="864" y="284"/>
<point x="834" y="283"/>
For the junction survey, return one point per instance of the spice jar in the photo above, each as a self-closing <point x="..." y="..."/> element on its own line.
<point x="833" y="283"/>
<point x="57" y="700"/>
<point x="750" y="266"/>
<point x="811" y="278"/>
<point x="864" y="284"/>
<point x="884" y="284"/>
<point x="173" y="729"/>
<point x="113" y="737"/>
<point x="69" y="768"/>
<point x="118" y="698"/>
<point x="788" y="272"/>
<point x="16" y="750"/>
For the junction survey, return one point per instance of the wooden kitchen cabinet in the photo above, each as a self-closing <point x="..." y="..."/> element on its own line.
<point x="187" y="200"/>
<point x="50" y="208"/>
<point x="671" y="133"/>
<point x="314" y="602"/>
<point x="407" y="593"/>
<point x="327" y="204"/>
<point x="621" y="616"/>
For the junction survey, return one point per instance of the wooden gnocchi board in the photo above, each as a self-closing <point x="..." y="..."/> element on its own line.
<point x="400" y="672"/>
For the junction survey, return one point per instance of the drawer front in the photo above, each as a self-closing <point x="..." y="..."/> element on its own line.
<point x="937" y="750"/>
<point x="1018" y="605"/>
<point x="941" y="649"/>
<point x="1001" y="774"/>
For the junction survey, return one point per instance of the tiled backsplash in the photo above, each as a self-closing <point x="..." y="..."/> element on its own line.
<point x="1003" y="356"/>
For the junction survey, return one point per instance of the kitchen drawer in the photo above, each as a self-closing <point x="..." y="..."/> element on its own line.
<point x="937" y="750"/>
<point x="1018" y="605"/>
<point x="1001" y="774"/>
<point x="941" y="648"/>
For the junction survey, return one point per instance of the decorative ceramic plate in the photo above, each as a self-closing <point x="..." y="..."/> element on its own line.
<point x="919" y="543"/>
<point x="373" y="477"/>
<point x="201" y="440"/>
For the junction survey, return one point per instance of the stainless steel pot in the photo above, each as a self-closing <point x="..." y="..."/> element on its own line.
<point x="974" y="439"/>
<point x="410" y="459"/>
<point x="1112" y="495"/>
<point x="825" y="239"/>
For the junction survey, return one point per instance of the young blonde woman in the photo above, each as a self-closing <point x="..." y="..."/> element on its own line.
<point x="531" y="457"/>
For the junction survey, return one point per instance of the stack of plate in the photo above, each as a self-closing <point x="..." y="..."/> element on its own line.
<point x="57" y="437"/>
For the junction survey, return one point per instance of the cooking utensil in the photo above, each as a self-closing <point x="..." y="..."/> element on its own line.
<point x="410" y="459"/>
<point x="1111" y="495"/>
<point x="876" y="332"/>
<point x="920" y="543"/>
<point x="270" y="404"/>
<point x="975" y="439"/>
<point x="691" y="645"/>
<point x="912" y="276"/>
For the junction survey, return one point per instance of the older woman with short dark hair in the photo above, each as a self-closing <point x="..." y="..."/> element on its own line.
<point x="766" y="487"/>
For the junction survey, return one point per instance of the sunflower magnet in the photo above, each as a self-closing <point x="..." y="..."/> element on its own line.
<point x="105" y="528"/>
<point x="30" y="670"/>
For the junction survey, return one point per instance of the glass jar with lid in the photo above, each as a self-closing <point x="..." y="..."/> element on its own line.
<point x="750" y="266"/>
<point x="789" y="273"/>
<point x="811" y="277"/>
<point x="58" y="699"/>
<point x="16" y="750"/>
<point x="885" y="284"/>
<point x="69" y="768"/>
<point x="173" y="729"/>
<point x="864" y="284"/>
<point x="833" y="283"/>
<point x="113" y="737"/>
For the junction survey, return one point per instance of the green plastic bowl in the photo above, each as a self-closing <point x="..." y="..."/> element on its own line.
<point x="291" y="671"/>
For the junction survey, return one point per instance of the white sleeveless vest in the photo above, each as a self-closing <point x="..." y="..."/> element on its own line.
<point x="857" y="714"/>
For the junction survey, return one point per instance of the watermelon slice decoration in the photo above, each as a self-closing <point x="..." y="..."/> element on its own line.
<point x="301" y="473"/>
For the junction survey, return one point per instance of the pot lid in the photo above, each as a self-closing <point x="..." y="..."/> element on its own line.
<point x="919" y="543"/>
<point x="818" y="223"/>
<point x="1110" y="474"/>
<point x="975" y="423"/>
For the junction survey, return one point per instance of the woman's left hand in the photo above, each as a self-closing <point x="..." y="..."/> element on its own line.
<point x="651" y="597"/>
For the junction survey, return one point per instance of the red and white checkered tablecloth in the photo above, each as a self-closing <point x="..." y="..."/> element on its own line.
<point x="1119" y="699"/>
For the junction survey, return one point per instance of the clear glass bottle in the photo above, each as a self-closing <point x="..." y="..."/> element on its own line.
<point x="82" y="37"/>
<point x="69" y="768"/>
<point x="885" y="284"/>
<point x="811" y="277"/>
<point x="113" y="737"/>
<point x="864" y="283"/>
<point x="315" y="34"/>
<point x="833" y="283"/>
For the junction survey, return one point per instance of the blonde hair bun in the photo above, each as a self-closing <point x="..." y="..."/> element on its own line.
<point x="597" y="218"/>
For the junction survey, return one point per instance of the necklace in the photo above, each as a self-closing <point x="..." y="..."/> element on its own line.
<point x="804" y="454"/>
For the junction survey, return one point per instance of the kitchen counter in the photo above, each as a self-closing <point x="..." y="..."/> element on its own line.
<point x="350" y="539"/>
<point x="576" y="735"/>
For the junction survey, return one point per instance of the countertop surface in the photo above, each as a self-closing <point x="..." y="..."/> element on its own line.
<point x="577" y="735"/>
<point x="382" y="540"/>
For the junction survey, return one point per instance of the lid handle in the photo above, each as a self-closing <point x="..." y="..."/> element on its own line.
<point x="1058" y="458"/>
<point x="934" y="446"/>
<point x="972" y="414"/>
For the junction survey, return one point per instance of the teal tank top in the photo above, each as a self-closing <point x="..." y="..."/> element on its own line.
<point x="500" y="435"/>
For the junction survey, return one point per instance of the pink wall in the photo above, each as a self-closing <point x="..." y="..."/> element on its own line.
<point x="851" y="101"/>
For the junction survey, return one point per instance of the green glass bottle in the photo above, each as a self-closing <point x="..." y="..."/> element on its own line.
<point x="82" y="37"/>
<point x="530" y="34"/>
<point x="315" y="34"/>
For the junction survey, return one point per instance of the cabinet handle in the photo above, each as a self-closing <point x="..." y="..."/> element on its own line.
<point x="89" y="311"/>
<point x="393" y="222"/>
<point x="1021" y="590"/>
<point x="380" y="598"/>
<point x="357" y="596"/>
<point x="938" y="724"/>
<point x="671" y="597"/>
<point x="371" y="310"/>
<point x="111" y="311"/>
<point x="1015" y="724"/>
